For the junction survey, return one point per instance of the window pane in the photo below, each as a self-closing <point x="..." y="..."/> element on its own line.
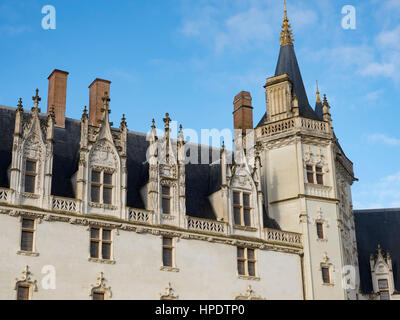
<point x="236" y="215"/>
<point x="320" y="231"/>
<point x="236" y="198"/>
<point x="28" y="223"/>
<point x="94" y="249"/>
<point x="22" y="293"/>
<point x="310" y="177"/>
<point x="30" y="166"/>
<point x="95" y="194"/>
<point x="320" y="179"/>
<point x="167" y="242"/>
<point x="247" y="220"/>
<point x="107" y="178"/>
<point x="26" y="241"/>
<point x="94" y="233"/>
<point x="385" y="295"/>
<point x="240" y="252"/>
<point x="167" y="257"/>
<point x="318" y="169"/>
<point x="165" y="190"/>
<point x="106" y="234"/>
<point x="106" y="251"/>
<point x="30" y="184"/>
<point x="383" y="284"/>
<point x="325" y="275"/>
<point x="107" y="195"/>
<point x="309" y="168"/>
<point x="250" y="254"/>
<point x="166" y="206"/>
<point x="246" y="200"/>
<point x="252" y="269"/>
<point x="95" y="176"/>
<point x="241" y="270"/>
<point x="98" y="296"/>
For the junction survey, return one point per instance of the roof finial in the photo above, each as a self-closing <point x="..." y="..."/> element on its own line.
<point x="318" y="96"/>
<point x="36" y="99"/>
<point x="20" y="106"/>
<point x="167" y="121"/>
<point x="286" y="33"/>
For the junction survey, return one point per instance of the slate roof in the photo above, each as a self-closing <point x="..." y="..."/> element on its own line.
<point x="201" y="179"/>
<point x="373" y="227"/>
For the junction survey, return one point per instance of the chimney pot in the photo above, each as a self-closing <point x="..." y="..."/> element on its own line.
<point x="243" y="111"/>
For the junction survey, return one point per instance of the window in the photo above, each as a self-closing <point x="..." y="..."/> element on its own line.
<point x="241" y="209"/>
<point x="166" y="199"/>
<point x="98" y="295"/>
<point x="246" y="262"/>
<point x="315" y="176"/>
<point x="320" y="230"/>
<point x="100" y="243"/>
<point x="30" y="176"/>
<point x="28" y="230"/>
<point x="167" y="252"/>
<point x="384" y="289"/>
<point x="325" y="275"/>
<point x="101" y="187"/>
<point x="23" y="292"/>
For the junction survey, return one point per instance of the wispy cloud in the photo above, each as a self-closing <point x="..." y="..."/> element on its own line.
<point x="384" y="139"/>
<point x="11" y="30"/>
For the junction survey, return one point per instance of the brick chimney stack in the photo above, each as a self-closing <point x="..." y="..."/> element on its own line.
<point x="96" y="93"/>
<point x="242" y="111"/>
<point x="57" y="95"/>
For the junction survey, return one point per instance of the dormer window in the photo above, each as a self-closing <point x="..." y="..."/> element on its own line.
<point x="241" y="209"/>
<point x="166" y="199"/>
<point x="383" y="286"/>
<point x="101" y="187"/>
<point x="30" y="175"/>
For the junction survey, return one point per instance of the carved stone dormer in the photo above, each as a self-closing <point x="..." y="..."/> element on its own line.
<point x="164" y="194"/>
<point x="382" y="273"/>
<point x="101" y="179"/>
<point x="32" y="155"/>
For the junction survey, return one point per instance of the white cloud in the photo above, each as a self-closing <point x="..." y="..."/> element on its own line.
<point x="14" y="30"/>
<point x="384" y="139"/>
<point x="374" y="95"/>
<point x="389" y="39"/>
<point x="379" y="69"/>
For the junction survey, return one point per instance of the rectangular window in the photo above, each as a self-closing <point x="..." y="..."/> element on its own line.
<point x="241" y="209"/>
<point x="383" y="284"/>
<point x="320" y="230"/>
<point x="166" y="199"/>
<point x="98" y="296"/>
<point x="320" y="175"/>
<point x="101" y="187"/>
<point x="100" y="243"/>
<point x="325" y="275"/>
<point x="246" y="262"/>
<point x="310" y="174"/>
<point x="167" y="252"/>
<point x="385" y="295"/>
<point x="107" y="188"/>
<point x="96" y="184"/>
<point x="22" y="293"/>
<point x="28" y="231"/>
<point x="30" y="176"/>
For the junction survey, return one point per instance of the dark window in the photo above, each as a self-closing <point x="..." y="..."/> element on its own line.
<point x="100" y="239"/>
<point x="106" y="244"/>
<point x="98" y="296"/>
<point x="320" y="175"/>
<point x="310" y="174"/>
<point x="107" y="188"/>
<point x="28" y="230"/>
<point x="385" y="295"/>
<point x="325" y="275"/>
<point x="320" y="230"/>
<point x="94" y="242"/>
<point x="167" y="253"/>
<point x="96" y="185"/>
<point x="101" y="185"/>
<point x="22" y="293"/>
<point x="251" y="261"/>
<point x="241" y="209"/>
<point x="166" y="199"/>
<point x="241" y="261"/>
<point x="30" y="176"/>
<point x="383" y="286"/>
<point x="246" y="262"/>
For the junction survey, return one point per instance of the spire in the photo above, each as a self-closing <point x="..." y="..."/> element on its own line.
<point x="20" y="106"/>
<point x="318" y="97"/>
<point x="167" y="121"/>
<point x="36" y="99"/>
<point x="318" y="105"/>
<point x="85" y="113"/>
<point x="286" y="33"/>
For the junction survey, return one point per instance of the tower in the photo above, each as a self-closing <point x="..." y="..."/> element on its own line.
<point x="306" y="178"/>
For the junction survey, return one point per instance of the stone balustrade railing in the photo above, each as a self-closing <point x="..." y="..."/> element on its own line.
<point x="4" y="195"/>
<point x="206" y="225"/>
<point x="137" y="215"/>
<point x="283" y="237"/>
<point x="64" y="204"/>
<point x="287" y="125"/>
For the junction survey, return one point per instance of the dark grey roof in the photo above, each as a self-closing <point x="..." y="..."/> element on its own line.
<point x="373" y="227"/>
<point x="318" y="111"/>
<point x="201" y="179"/>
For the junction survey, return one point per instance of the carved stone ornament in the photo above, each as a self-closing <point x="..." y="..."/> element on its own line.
<point x="169" y="294"/>
<point x="101" y="287"/>
<point x="249" y="295"/>
<point x="26" y="280"/>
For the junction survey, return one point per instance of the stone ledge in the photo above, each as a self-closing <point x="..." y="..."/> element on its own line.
<point x="104" y="261"/>
<point x="169" y="269"/>
<point x="249" y="278"/>
<point x="28" y="253"/>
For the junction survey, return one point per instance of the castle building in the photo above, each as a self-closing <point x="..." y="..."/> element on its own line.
<point x="93" y="211"/>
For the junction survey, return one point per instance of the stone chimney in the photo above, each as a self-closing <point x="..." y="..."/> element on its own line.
<point x="96" y="93"/>
<point x="243" y="111"/>
<point x="57" y="95"/>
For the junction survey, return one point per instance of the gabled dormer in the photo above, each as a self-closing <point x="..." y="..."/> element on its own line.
<point x="32" y="155"/>
<point x="164" y="194"/>
<point x="382" y="274"/>
<point x="101" y="179"/>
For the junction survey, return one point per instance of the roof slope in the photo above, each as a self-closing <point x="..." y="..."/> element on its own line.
<point x="373" y="227"/>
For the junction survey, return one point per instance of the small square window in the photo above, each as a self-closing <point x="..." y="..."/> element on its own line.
<point x="236" y="198"/>
<point x="107" y="178"/>
<point x="383" y="284"/>
<point x="95" y="194"/>
<point x="95" y="176"/>
<point x="165" y="190"/>
<point x="30" y="183"/>
<point x="30" y="166"/>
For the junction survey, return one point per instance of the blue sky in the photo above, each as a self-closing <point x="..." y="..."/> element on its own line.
<point x="191" y="57"/>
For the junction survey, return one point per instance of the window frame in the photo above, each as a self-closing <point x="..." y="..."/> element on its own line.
<point x="100" y="243"/>
<point x="242" y="208"/>
<point x="33" y="174"/>
<point x="246" y="260"/>
<point x="328" y="275"/>
<point x="167" y="197"/>
<point x="29" y="291"/>
<point x="102" y="185"/>
<point x="321" y="231"/>
<point x="382" y="289"/>
<point x="316" y="172"/>
<point x="28" y="230"/>
<point x="171" y="248"/>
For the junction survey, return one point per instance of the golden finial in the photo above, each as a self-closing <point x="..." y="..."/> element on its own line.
<point x="318" y="97"/>
<point x="286" y="33"/>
